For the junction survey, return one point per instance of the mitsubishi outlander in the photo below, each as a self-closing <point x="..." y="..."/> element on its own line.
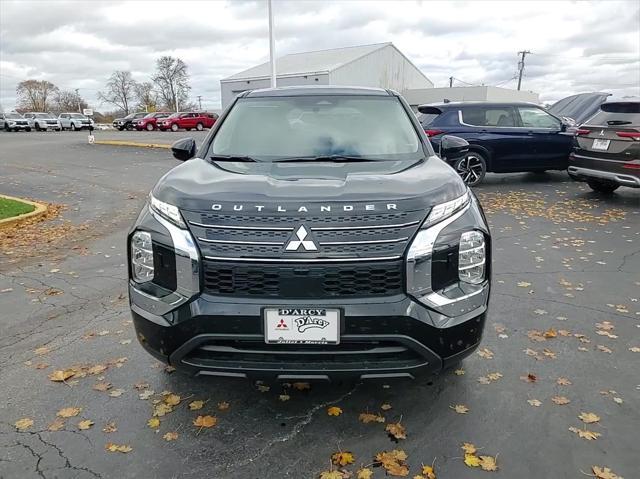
<point x="314" y="234"/>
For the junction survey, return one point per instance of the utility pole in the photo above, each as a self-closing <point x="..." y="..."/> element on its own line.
<point x="200" y="102"/>
<point x="450" y="82"/>
<point x="521" y="66"/>
<point x="272" y="46"/>
<point x="78" y="99"/>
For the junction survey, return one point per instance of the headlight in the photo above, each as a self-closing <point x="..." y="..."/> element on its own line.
<point x="167" y="211"/>
<point x="141" y="257"/>
<point x="471" y="257"/>
<point x="444" y="210"/>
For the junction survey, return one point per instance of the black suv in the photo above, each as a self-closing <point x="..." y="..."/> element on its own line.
<point x="607" y="147"/>
<point x="503" y="137"/>
<point x="305" y="239"/>
<point x="129" y="122"/>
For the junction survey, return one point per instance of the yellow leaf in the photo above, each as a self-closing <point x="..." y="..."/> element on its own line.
<point x="205" y="421"/>
<point x="584" y="434"/>
<point x="472" y="460"/>
<point x="550" y="333"/>
<point x="111" y="447"/>
<point x="494" y="376"/>
<point x="109" y="427"/>
<point x="334" y="411"/>
<point x="459" y="372"/>
<point x="69" y="412"/>
<point x="560" y="400"/>
<point x="485" y="353"/>
<point x="366" y="417"/>
<point x="56" y="425"/>
<point x="97" y="369"/>
<point x="331" y="475"/>
<point x="342" y="458"/>
<point x="23" y="424"/>
<point x="223" y="405"/>
<point x="534" y="402"/>
<point x="460" y="408"/>
<point x="393" y="462"/>
<point x="364" y="473"/>
<point x="396" y="430"/>
<point x="41" y="350"/>
<point x="102" y="386"/>
<point x="85" y="424"/>
<point x="61" y="375"/>
<point x="523" y="284"/>
<point x="604" y="473"/>
<point x="172" y="399"/>
<point x="588" y="417"/>
<point x="488" y="463"/>
<point x="563" y="381"/>
<point x="284" y="397"/>
<point x="162" y="409"/>
<point x="468" y="448"/>
<point x="195" y="405"/>
<point x="385" y="407"/>
<point x="428" y="472"/>
<point x="153" y="423"/>
<point x="170" y="436"/>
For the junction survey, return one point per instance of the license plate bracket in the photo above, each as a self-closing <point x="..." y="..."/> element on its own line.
<point x="600" y="144"/>
<point x="302" y="325"/>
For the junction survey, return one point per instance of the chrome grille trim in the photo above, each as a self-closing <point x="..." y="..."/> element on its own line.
<point x="342" y="243"/>
<point x="252" y="243"/>
<point x="248" y="228"/>
<point x="371" y="227"/>
<point x="302" y="260"/>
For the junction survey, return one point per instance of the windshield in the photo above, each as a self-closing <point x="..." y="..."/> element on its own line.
<point x="175" y="115"/>
<point x="42" y="115"/>
<point x="77" y="115"/>
<point x="311" y="126"/>
<point x="12" y="116"/>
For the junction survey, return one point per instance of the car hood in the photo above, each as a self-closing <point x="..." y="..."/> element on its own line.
<point x="197" y="184"/>
<point x="580" y="107"/>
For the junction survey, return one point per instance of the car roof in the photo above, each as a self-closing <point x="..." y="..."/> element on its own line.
<point x="453" y="104"/>
<point x="311" y="90"/>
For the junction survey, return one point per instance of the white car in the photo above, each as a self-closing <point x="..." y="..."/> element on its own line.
<point x="43" y="121"/>
<point x="74" y="121"/>
<point x="14" y="122"/>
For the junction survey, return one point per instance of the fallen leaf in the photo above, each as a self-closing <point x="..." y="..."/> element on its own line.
<point x="488" y="463"/>
<point x="169" y="369"/>
<point x="563" y="382"/>
<point x="109" y="427"/>
<point x="550" y="333"/>
<point x="386" y="407"/>
<point x="97" y="369"/>
<point x="116" y="393"/>
<point x="560" y="400"/>
<point x="484" y="380"/>
<point x="460" y="408"/>
<point x="366" y="417"/>
<point x="334" y="411"/>
<point x="634" y="349"/>
<point x="195" y="405"/>
<point x="23" y="424"/>
<point x="393" y="462"/>
<point x="85" y="424"/>
<point x="172" y="399"/>
<point x="364" y="473"/>
<point x="472" y="460"/>
<point x="459" y="372"/>
<point x="485" y="353"/>
<point x="263" y="388"/>
<point x="56" y="425"/>
<point x="588" y="417"/>
<point x="604" y="349"/>
<point x="534" y="402"/>
<point x="523" y="284"/>
<point x="342" y="458"/>
<point x="301" y="386"/>
<point x="61" y="375"/>
<point x="396" y="430"/>
<point x="102" y="386"/>
<point x="153" y="423"/>
<point x="494" y="376"/>
<point x="584" y="434"/>
<point x="428" y="472"/>
<point x="162" y="409"/>
<point x="170" y="436"/>
<point x="529" y="378"/>
<point x="284" y="397"/>
<point x="331" y="475"/>
<point x="146" y="394"/>
<point x="111" y="447"/>
<point x="41" y="350"/>
<point x="223" y="405"/>
<point x="69" y="412"/>
<point x="205" y="421"/>
<point x="468" y="448"/>
<point x="604" y="473"/>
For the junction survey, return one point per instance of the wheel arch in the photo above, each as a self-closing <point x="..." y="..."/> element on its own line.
<point x="484" y="151"/>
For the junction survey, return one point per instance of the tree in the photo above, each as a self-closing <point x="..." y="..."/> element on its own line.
<point x="120" y="91"/>
<point x="68" y="101"/>
<point x="147" y="97"/>
<point x="172" y="80"/>
<point x="35" y="95"/>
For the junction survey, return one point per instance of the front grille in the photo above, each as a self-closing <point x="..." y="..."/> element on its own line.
<point x="303" y="281"/>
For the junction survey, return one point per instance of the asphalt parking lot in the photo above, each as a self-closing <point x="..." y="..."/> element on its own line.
<point x="562" y="339"/>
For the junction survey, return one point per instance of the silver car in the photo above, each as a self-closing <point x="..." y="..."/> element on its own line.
<point x="43" y="121"/>
<point x="14" y="122"/>
<point x="74" y="121"/>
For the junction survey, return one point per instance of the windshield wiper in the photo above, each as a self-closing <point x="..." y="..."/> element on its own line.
<point x="332" y="158"/>
<point x="618" y="122"/>
<point x="244" y="159"/>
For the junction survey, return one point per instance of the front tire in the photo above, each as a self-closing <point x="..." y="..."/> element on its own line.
<point x="149" y="127"/>
<point x="199" y="127"/>
<point x="73" y="127"/>
<point x="129" y="127"/>
<point x="604" y="187"/>
<point x="471" y="168"/>
<point x="174" y="127"/>
<point x="27" y="129"/>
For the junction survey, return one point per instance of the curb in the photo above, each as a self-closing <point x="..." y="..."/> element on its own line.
<point x="40" y="209"/>
<point x="131" y="143"/>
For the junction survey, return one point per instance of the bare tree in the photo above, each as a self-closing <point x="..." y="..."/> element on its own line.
<point x="120" y="91"/>
<point x="34" y="95"/>
<point x="172" y="80"/>
<point x="147" y="97"/>
<point x="68" y="101"/>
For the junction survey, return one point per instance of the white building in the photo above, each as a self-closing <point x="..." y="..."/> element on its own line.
<point x="421" y="96"/>
<point x="380" y="65"/>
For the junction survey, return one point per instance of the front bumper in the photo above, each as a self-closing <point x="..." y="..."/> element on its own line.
<point x="380" y="337"/>
<point x="15" y="126"/>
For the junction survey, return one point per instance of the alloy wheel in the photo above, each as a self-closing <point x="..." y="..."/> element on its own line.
<point x="471" y="169"/>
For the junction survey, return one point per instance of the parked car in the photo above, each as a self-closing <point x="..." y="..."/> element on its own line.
<point x="74" y="121"/>
<point x="14" y="122"/>
<point x="606" y="152"/>
<point x="43" y="121"/>
<point x="188" y="121"/>
<point x="335" y="245"/>
<point x="149" y="121"/>
<point x="129" y="121"/>
<point x="503" y="137"/>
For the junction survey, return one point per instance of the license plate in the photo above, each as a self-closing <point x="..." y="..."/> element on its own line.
<point x="600" y="144"/>
<point x="302" y="325"/>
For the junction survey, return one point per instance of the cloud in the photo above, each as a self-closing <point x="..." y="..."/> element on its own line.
<point x="575" y="47"/>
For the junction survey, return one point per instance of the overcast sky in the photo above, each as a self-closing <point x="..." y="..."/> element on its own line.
<point x="576" y="46"/>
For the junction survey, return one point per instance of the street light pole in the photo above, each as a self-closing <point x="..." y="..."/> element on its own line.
<point x="78" y="99"/>
<point x="272" y="46"/>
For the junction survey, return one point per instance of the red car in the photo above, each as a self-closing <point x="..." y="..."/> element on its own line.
<point x="149" y="122"/>
<point x="188" y="121"/>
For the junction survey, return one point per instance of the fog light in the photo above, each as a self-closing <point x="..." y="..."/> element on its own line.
<point x="471" y="257"/>
<point x="141" y="257"/>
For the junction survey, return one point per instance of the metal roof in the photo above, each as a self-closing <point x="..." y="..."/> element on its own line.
<point x="321" y="61"/>
<point x="310" y="90"/>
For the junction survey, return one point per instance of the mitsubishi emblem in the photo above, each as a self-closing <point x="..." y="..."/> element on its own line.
<point x="601" y="132"/>
<point x="307" y="244"/>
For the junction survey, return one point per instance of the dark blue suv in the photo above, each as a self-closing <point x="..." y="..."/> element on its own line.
<point x="503" y="137"/>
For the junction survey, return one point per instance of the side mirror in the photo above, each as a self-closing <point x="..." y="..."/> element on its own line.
<point x="184" y="149"/>
<point x="453" y="147"/>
